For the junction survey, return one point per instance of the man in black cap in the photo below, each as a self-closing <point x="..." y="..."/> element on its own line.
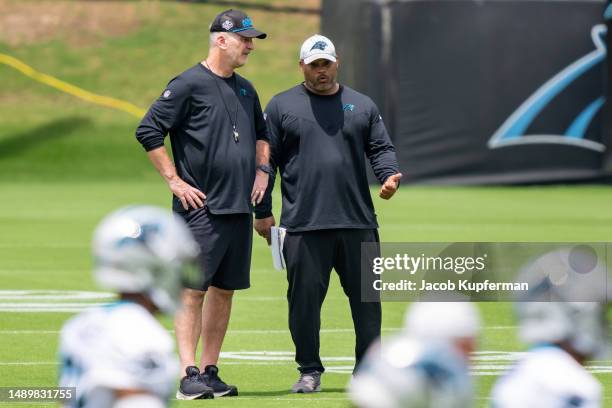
<point x="220" y="148"/>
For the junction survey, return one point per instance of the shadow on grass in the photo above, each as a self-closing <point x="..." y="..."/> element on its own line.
<point x="286" y="392"/>
<point x="325" y="390"/>
<point x="279" y="393"/>
<point x="49" y="132"/>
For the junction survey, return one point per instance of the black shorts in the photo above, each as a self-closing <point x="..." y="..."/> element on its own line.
<point x="225" y="247"/>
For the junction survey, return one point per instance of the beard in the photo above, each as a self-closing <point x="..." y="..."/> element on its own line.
<point x="323" y="86"/>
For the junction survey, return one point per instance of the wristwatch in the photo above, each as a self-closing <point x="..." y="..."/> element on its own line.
<point x="265" y="168"/>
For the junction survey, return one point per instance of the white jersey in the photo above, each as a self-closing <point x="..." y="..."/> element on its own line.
<point x="117" y="347"/>
<point x="412" y="373"/>
<point x="547" y="377"/>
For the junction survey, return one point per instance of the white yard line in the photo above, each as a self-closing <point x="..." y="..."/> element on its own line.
<point x="7" y="245"/>
<point x="296" y="399"/>
<point x="243" y="331"/>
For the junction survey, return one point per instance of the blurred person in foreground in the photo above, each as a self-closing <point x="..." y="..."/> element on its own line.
<point x="320" y="134"/>
<point x="426" y="365"/>
<point x="563" y="334"/>
<point x="118" y="355"/>
<point x="220" y="150"/>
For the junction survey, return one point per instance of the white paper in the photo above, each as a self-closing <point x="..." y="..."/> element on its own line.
<point x="277" y="237"/>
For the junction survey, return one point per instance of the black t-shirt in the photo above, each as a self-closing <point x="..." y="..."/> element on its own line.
<point x="319" y="143"/>
<point x="199" y="109"/>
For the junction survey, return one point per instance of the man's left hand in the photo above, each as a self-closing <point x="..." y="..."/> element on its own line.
<point x="263" y="226"/>
<point x="259" y="187"/>
<point x="390" y="186"/>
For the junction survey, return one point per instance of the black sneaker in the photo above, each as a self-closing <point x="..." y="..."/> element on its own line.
<point x="192" y="387"/>
<point x="211" y="377"/>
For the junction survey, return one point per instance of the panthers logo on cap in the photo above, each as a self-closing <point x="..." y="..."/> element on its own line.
<point x="247" y="23"/>
<point x="319" y="45"/>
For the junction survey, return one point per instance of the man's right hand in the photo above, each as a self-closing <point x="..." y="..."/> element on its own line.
<point x="263" y="225"/>
<point x="189" y="196"/>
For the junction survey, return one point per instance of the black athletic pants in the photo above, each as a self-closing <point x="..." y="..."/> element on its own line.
<point x="310" y="257"/>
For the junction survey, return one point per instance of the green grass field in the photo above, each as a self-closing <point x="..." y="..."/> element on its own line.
<point x="65" y="163"/>
<point x="45" y="246"/>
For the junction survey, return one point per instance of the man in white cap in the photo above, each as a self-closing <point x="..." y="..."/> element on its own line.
<point x="320" y="132"/>
<point x="426" y="365"/>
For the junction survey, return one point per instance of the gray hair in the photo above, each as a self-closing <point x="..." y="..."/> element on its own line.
<point x="212" y="40"/>
<point x="214" y="35"/>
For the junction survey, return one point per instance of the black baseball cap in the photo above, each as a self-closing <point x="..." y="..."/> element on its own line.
<point x="235" y="21"/>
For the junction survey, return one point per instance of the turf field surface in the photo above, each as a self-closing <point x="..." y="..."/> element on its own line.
<point x="44" y="246"/>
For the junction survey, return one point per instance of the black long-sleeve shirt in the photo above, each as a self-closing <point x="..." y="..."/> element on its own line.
<point x="319" y="143"/>
<point x="199" y="110"/>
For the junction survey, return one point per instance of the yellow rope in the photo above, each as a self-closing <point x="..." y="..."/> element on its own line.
<point x="71" y="89"/>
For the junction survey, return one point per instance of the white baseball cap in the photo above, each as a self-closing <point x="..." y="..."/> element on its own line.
<point x="317" y="47"/>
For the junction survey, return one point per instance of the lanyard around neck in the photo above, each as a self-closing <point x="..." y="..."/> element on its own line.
<point x="234" y="122"/>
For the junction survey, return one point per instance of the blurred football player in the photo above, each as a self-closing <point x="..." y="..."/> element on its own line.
<point x="425" y="366"/>
<point x="118" y="355"/>
<point x="563" y="334"/>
